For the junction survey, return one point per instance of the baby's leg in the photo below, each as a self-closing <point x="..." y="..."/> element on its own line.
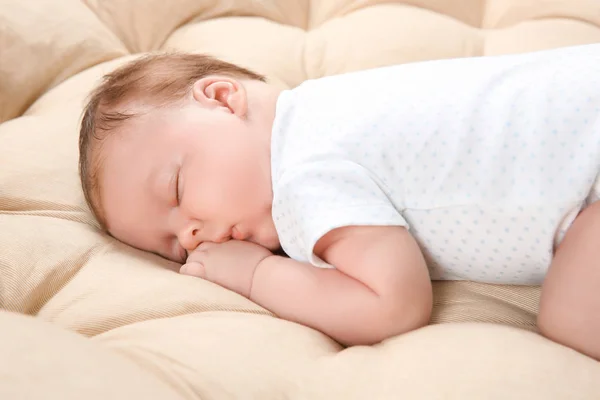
<point x="570" y="303"/>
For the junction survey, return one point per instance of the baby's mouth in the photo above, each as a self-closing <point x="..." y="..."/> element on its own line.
<point x="237" y="235"/>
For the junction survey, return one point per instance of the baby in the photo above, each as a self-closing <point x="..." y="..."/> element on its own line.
<point x="373" y="183"/>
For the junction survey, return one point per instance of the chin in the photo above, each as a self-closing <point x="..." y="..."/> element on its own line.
<point x="271" y="243"/>
<point x="274" y="245"/>
<point x="265" y="234"/>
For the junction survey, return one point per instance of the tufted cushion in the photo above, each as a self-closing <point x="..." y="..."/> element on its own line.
<point x="125" y="324"/>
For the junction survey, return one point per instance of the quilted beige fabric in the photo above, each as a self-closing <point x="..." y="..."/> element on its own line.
<point x="83" y="316"/>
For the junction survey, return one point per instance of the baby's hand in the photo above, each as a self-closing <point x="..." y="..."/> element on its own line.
<point x="230" y="264"/>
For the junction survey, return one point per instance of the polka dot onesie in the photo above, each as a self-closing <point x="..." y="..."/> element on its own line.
<point x="487" y="161"/>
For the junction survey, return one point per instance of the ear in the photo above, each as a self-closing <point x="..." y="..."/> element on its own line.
<point x="221" y="92"/>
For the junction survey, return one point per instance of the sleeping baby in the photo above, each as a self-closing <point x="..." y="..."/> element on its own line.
<point x="373" y="183"/>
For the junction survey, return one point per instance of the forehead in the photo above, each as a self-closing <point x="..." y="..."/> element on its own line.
<point x="134" y="149"/>
<point x="135" y="163"/>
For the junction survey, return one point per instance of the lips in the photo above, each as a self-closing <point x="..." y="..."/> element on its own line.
<point x="236" y="234"/>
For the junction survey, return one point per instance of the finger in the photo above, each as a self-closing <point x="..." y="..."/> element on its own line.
<point x="206" y="245"/>
<point x="196" y="256"/>
<point x="193" y="269"/>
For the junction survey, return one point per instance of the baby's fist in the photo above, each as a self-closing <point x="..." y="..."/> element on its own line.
<point x="230" y="264"/>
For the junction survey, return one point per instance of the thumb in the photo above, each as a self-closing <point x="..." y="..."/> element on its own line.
<point x="193" y="268"/>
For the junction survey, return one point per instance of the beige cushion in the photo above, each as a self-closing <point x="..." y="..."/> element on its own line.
<point x="124" y="324"/>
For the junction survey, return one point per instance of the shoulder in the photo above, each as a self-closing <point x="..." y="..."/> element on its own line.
<point x="316" y="198"/>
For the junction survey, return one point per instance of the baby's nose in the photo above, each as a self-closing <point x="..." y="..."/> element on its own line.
<point x="190" y="238"/>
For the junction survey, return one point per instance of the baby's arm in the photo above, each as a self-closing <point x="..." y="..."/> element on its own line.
<point x="570" y="304"/>
<point x="379" y="288"/>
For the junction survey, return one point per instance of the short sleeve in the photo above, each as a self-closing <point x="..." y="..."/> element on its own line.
<point x="314" y="199"/>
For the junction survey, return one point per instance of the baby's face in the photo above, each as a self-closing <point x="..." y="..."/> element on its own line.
<point x="176" y="177"/>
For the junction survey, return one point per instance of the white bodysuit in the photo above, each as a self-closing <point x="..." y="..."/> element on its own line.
<point x="487" y="161"/>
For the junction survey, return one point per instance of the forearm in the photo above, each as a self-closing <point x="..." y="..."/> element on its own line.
<point x="333" y="302"/>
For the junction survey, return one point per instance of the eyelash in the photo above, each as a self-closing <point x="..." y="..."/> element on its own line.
<point x="177" y="198"/>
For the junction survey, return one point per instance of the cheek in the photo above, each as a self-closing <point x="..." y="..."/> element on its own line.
<point x="228" y="189"/>
<point x="239" y="178"/>
<point x="230" y="184"/>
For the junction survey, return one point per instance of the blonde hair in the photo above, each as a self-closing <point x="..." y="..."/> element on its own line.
<point x="156" y="80"/>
